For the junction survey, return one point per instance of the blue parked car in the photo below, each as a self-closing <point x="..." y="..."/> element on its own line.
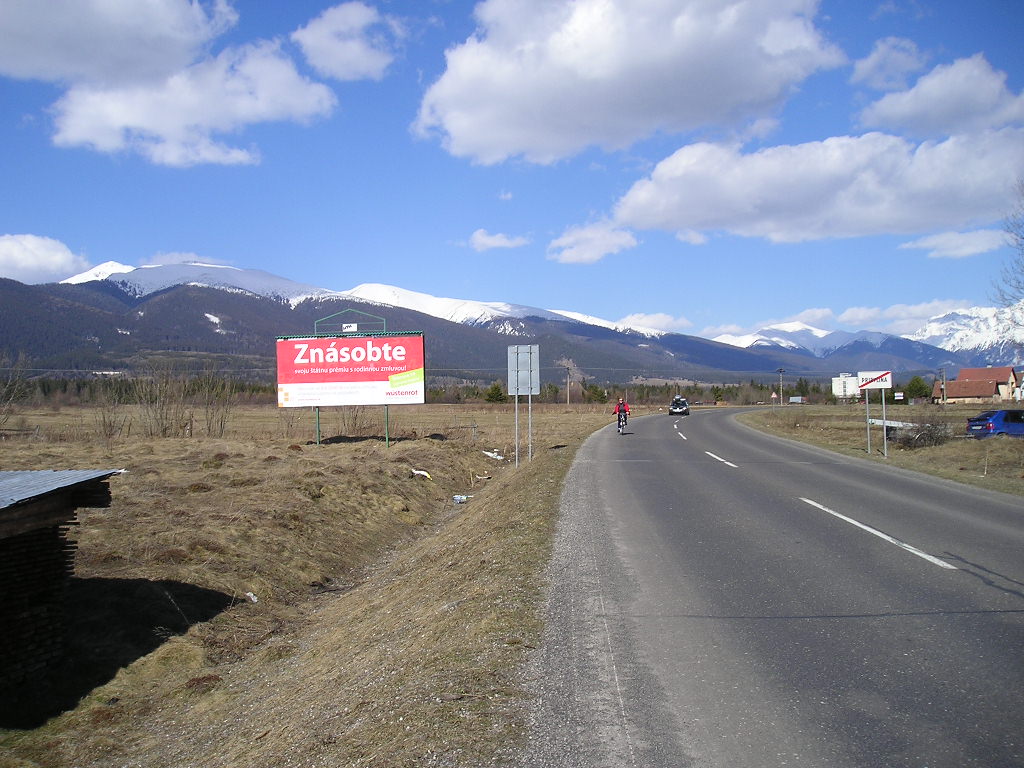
<point x="991" y="423"/>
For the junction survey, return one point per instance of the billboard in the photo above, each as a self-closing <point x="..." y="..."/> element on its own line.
<point x="381" y="369"/>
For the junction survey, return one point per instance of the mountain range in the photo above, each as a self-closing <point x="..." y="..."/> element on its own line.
<point x="115" y="317"/>
<point x="980" y="335"/>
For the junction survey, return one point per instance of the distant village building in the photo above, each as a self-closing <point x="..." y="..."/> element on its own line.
<point x="981" y="385"/>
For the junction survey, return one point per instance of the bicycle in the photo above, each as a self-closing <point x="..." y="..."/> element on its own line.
<point x="622" y="421"/>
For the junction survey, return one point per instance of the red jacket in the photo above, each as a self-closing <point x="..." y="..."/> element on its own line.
<point x="625" y="407"/>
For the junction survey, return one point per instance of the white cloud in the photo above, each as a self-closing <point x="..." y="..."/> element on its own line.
<point x="351" y="41"/>
<point x="482" y="240"/>
<point x="590" y="243"/>
<point x="890" y="63"/>
<point x="967" y="95"/>
<point x="844" y="186"/>
<point x="659" y="321"/>
<point x="545" y="79"/>
<point x="140" y="77"/>
<point x="175" y="123"/>
<point x="692" y="237"/>
<point x="899" y="318"/>
<point x="106" y="41"/>
<point x="819" y="317"/>
<point x="36" y="259"/>
<point x="958" y="245"/>
<point x="729" y="329"/>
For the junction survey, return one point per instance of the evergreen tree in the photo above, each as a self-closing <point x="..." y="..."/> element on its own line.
<point x="496" y="394"/>
<point x="917" y="387"/>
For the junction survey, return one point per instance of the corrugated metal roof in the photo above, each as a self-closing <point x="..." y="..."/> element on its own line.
<point x="20" y="486"/>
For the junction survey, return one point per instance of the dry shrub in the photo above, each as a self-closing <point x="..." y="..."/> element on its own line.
<point x="923" y="436"/>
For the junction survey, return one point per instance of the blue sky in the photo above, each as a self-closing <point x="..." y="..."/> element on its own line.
<point x="701" y="166"/>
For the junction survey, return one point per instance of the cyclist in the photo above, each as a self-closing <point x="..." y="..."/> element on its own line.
<point x="622" y="409"/>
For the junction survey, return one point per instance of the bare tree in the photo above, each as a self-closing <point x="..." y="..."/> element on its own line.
<point x="1009" y="290"/>
<point x="13" y="386"/>
<point x="161" y="393"/>
<point x="112" y="418"/>
<point x="215" y="394"/>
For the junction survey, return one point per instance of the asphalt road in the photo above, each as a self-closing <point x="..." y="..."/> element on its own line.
<point x="723" y="598"/>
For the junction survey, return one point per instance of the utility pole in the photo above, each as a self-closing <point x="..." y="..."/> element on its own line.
<point x="567" y="386"/>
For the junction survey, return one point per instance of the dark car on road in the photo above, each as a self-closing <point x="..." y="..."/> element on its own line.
<point x="679" y="406"/>
<point x="992" y="423"/>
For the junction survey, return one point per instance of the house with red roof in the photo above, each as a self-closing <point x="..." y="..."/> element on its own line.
<point x="980" y="385"/>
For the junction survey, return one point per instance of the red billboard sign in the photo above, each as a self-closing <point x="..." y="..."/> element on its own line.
<point x="350" y="370"/>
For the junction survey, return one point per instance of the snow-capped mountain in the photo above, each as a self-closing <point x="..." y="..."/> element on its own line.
<point x="456" y="310"/>
<point x="142" y="281"/>
<point x="848" y="351"/>
<point x="591" y="320"/>
<point x="981" y="336"/>
<point x="796" y="336"/>
<point x="802" y="337"/>
<point x="993" y="333"/>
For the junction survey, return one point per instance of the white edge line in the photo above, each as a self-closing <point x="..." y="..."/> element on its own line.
<point x="879" y="534"/>
<point x="681" y="435"/>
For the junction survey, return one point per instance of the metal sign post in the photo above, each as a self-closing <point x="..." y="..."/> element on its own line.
<point x="524" y="379"/>
<point x="866" y="381"/>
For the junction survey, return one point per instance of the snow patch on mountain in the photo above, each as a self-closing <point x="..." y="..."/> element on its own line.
<point x="99" y="272"/>
<point x="757" y="339"/>
<point x="462" y="311"/>
<point x="793" y="335"/>
<point x="591" y="320"/>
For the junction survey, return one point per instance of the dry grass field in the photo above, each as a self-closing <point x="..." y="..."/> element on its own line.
<point x="260" y="600"/>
